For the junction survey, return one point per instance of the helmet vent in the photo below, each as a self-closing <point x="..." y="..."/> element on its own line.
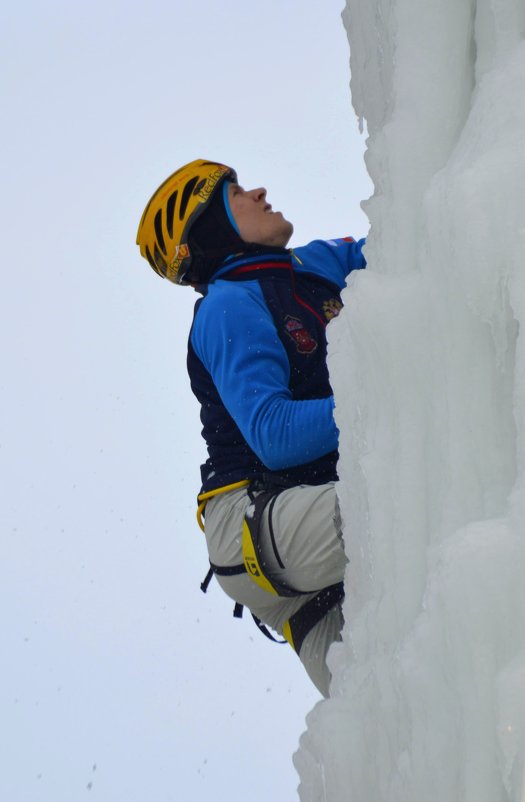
<point x="160" y="261"/>
<point x="186" y="195"/>
<point x="199" y="186"/>
<point x="170" y="212"/>
<point x="149" y="257"/>
<point x="158" y="231"/>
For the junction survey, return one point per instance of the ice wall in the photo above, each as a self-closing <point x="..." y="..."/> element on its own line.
<point x="428" y="365"/>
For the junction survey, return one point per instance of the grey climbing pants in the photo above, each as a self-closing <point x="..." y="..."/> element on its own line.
<point x="306" y="553"/>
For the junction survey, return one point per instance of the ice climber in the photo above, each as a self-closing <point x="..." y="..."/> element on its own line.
<point x="257" y="365"/>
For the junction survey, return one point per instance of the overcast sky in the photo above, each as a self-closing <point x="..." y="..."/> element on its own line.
<point x="119" y="680"/>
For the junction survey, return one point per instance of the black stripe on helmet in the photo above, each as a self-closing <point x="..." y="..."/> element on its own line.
<point x="160" y="261"/>
<point x="170" y="212"/>
<point x="150" y="259"/>
<point x="158" y="232"/>
<point x="186" y="195"/>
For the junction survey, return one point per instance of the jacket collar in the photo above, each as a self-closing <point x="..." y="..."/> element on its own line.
<point x="245" y="266"/>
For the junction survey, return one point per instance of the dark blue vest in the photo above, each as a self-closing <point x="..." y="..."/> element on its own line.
<point x="301" y="304"/>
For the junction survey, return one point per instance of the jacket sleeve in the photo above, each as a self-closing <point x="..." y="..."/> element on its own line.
<point x="235" y="338"/>
<point x="331" y="259"/>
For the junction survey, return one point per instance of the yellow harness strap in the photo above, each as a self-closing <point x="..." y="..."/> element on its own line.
<point x="205" y="497"/>
<point x="251" y="561"/>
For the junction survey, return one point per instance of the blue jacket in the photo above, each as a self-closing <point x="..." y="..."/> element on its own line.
<point x="257" y="363"/>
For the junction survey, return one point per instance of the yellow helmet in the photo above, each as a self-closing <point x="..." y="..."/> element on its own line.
<point x="165" y="225"/>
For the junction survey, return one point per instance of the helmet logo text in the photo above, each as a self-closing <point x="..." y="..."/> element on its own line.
<point x="211" y="183"/>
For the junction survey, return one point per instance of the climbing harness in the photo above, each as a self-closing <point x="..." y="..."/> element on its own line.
<point x="264" y="493"/>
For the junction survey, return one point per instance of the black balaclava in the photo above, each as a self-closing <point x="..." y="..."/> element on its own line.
<point x="213" y="238"/>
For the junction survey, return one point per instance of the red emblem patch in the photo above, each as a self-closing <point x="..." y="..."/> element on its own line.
<point x="303" y="339"/>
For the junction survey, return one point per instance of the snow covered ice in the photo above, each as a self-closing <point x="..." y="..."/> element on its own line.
<point x="428" y="366"/>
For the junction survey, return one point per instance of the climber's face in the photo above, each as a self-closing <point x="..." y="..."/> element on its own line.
<point x="255" y="218"/>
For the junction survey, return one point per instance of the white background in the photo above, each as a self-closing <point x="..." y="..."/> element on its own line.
<point x="119" y="680"/>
